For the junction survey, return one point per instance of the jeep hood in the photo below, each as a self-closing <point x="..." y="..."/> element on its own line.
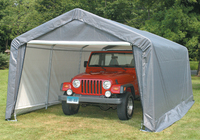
<point x="122" y="77"/>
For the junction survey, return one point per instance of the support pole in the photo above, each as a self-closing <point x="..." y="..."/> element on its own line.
<point x="79" y="69"/>
<point x="49" y="76"/>
<point x="15" y="118"/>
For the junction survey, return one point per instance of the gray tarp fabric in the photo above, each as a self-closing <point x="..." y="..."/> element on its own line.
<point x="36" y="72"/>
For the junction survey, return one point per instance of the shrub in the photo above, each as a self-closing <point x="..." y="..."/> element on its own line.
<point x="4" y="61"/>
<point x="194" y="65"/>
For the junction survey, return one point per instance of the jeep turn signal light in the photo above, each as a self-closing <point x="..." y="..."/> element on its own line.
<point x="116" y="88"/>
<point x="124" y="88"/>
<point x="66" y="86"/>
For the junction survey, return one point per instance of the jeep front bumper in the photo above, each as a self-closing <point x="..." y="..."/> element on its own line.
<point x="91" y="99"/>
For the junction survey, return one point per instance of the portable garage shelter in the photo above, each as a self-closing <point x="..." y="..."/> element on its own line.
<point x="44" y="57"/>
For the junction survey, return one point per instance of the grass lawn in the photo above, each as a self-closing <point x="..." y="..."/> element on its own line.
<point x="92" y="123"/>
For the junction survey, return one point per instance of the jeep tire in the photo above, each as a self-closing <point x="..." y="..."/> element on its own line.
<point x="69" y="109"/>
<point x="126" y="108"/>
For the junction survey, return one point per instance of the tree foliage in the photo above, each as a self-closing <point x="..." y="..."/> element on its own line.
<point x="177" y="20"/>
<point x="179" y="23"/>
<point x="17" y="18"/>
<point x="4" y="59"/>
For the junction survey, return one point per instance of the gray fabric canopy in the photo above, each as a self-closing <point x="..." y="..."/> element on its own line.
<point x="37" y="70"/>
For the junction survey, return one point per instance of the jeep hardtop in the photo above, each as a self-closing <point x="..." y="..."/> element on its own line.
<point x="109" y="81"/>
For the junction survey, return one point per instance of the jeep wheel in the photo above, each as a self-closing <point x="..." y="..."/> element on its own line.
<point x="125" y="109"/>
<point x="69" y="109"/>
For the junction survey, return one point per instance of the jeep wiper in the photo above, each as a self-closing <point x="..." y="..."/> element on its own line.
<point x="103" y="67"/>
<point x="123" y="68"/>
<point x="119" y="66"/>
<point x="98" y="66"/>
<point x="94" y="66"/>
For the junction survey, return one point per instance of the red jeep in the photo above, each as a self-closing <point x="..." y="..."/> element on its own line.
<point x="109" y="81"/>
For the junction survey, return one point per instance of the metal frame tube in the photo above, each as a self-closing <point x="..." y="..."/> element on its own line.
<point x="49" y="75"/>
<point x="83" y="43"/>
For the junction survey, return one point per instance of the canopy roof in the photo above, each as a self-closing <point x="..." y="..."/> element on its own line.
<point x="162" y="66"/>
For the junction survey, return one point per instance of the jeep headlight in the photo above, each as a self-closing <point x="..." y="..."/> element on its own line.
<point x="76" y="83"/>
<point x="106" y="84"/>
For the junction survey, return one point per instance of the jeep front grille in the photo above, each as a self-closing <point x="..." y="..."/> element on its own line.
<point x="91" y="86"/>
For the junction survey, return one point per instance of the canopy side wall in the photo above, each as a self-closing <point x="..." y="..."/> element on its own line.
<point x="34" y="79"/>
<point x="15" y="71"/>
<point x="15" y="67"/>
<point x="168" y="84"/>
<point x="176" y="87"/>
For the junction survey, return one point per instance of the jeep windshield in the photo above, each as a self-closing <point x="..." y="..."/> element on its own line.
<point x="115" y="59"/>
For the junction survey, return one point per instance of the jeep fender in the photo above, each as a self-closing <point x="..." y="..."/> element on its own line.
<point x="124" y="87"/>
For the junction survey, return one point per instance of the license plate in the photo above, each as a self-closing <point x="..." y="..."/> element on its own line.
<point x="72" y="100"/>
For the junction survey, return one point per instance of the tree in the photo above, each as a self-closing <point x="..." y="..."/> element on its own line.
<point x="119" y="10"/>
<point x="143" y="11"/>
<point x="179" y="22"/>
<point x="49" y="9"/>
<point x="198" y="71"/>
<point x="18" y="17"/>
<point x="3" y="29"/>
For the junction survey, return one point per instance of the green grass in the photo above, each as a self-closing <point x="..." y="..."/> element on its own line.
<point x="92" y="123"/>
<point x="194" y="65"/>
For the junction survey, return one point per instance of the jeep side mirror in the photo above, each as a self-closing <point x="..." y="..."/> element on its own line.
<point x="85" y="63"/>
